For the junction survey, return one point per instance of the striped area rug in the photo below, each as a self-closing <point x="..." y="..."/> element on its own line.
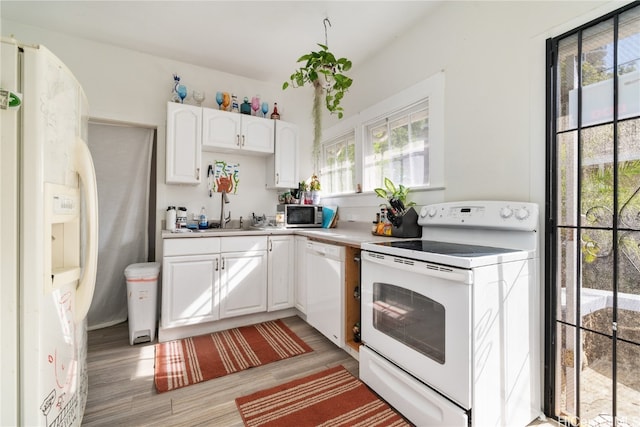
<point x="330" y="398"/>
<point x="192" y="360"/>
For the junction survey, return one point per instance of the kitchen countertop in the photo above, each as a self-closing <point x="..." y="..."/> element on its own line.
<point x="346" y="233"/>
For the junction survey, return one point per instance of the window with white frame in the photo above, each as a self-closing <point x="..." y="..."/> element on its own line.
<point x="397" y="147"/>
<point x="338" y="165"/>
<point x="400" y="138"/>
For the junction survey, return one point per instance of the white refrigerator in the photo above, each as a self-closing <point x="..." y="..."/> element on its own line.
<point x="48" y="239"/>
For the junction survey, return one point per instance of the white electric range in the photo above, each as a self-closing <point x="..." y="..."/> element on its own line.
<point x="451" y="321"/>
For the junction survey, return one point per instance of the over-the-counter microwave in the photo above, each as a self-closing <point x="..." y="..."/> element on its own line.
<point x="301" y="215"/>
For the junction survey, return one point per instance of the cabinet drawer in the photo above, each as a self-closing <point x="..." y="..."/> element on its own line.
<point x="192" y="246"/>
<point x="243" y="243"/>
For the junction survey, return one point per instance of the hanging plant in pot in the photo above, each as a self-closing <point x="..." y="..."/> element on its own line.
<point x="325" y="73"/>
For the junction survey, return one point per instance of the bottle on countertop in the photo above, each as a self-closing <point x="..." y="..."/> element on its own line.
<point x="275" y="115"/>
<point x="203" y="224"/>
<point x="171" y="218"/>
<point x="381" y="222"/>
<point x="374" y="227"/>
<point x="181" y="220"/>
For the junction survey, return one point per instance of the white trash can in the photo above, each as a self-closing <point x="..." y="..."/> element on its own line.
<point x="142" y="294"/>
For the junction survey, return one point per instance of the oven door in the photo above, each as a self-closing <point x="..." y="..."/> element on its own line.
<point x="418" y="315"/>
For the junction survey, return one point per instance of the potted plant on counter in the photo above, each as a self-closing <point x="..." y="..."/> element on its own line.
<point x="400" y="211"/>
<point x="314" y="187"/>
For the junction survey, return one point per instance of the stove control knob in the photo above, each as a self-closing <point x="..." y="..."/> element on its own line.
<point x="432" y="212"/>
<point x="522" y="213"/>
<point x="423" y="212"/>
<point x="506" y="212"/>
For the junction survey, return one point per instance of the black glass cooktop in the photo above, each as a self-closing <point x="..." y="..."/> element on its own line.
<point x="445" y="248"/>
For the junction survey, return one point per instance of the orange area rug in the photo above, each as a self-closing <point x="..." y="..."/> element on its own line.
<point x="193" y="360"/>
<point x="330" y="398"/>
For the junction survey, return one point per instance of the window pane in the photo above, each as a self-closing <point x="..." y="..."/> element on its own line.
<point x="629" y="174"/>
<point x="597" y="176"/>
<point x="629" y="64"/>
<point x="567" y="178"/>
<point x="628" y="387"/>
<point x="566" y="279"/>
<point x="596" y="293"/>
<point x="566" y="375"/>
<point x="397" y="148"/>
<point x="567" y="82"/>
<point x="596" y="384"/>
<point x="628" y="286"/>
<point x="337" y="174"/>
<point x="597" y="74"/>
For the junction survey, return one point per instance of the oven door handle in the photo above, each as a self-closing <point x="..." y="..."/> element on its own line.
<point x="460" y="275"/>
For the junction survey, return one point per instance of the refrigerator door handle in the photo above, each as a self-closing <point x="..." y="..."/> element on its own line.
<point x="86" y="285"/>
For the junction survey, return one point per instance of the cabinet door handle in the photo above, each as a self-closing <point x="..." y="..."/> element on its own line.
<point x="197" y="173"/>
<point x="223" y="263"/>
<point x="243" y="140"/>
<point x="270" y="245"/>
<point x="277" y="178"/>
<point x="217" y="264"/>
<point x="238" y="140"/>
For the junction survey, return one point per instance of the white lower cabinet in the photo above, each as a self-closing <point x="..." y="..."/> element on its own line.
<point x="190" y="282"/>
<point x="207" y="279"/>
<point x="280" y="284"/>
<point x="243" y="275"/>
<point x="300" y="279"/>
<point x="243" y="280"/>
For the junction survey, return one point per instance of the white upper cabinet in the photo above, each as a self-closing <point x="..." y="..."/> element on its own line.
<point x="224" y="131"/>
<point x="220" y="130"/>
<point x="282" y="168"/>
<point x="184" y="144"/>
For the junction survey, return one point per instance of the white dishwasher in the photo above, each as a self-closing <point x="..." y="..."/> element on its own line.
<point x="325" y="289"/>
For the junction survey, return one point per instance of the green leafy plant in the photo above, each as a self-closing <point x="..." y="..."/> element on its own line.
<point x="395" y="196"/>
<point x="314" y="183"/>
<point x="322" y="69"/>
<point x="325" y="73"/>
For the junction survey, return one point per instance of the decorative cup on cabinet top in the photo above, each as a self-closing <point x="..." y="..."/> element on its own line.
<point x="219" y="99"/>
<point x="198" y="97"/>
<point x="226" y="101"/>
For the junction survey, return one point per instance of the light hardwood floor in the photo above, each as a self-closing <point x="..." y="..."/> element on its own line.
<point x="122" y="393"/>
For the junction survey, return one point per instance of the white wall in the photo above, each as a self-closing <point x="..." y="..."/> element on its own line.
<point x="492" y="54"/>
<point x="128" y="86"/>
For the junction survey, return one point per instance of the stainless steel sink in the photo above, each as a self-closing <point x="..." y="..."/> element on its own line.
<point x="219" y="230"/>
<point x="265" y="227"/>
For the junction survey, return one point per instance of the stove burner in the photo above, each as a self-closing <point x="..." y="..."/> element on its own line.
<point x="446" y="248"/>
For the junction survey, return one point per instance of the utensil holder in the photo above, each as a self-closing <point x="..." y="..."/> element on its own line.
<point x="409" y="226"/>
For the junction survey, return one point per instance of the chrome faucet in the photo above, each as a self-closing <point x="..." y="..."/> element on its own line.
<point x="224" y="200"/>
